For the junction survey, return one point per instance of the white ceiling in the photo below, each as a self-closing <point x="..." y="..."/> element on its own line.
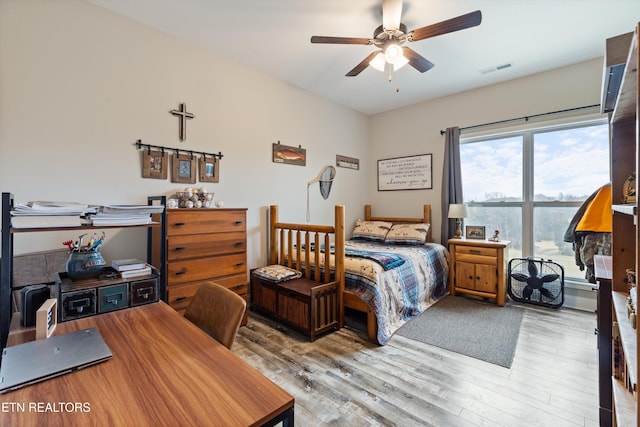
<point x="274" y="36"/>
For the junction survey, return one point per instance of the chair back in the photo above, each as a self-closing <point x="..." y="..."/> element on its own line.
<point x="218" y="311"/>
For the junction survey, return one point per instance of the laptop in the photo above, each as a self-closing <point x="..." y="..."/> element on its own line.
<point x="40" y="360"/>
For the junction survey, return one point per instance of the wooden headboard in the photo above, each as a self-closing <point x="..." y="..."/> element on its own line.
<point x="426" y="219"/>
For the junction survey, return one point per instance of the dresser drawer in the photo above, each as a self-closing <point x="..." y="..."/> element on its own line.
<point x="199" y="221"/>
<point x="179" y="296"/>
<point x="204" y="245"/>
<point x="477" y="259"/>
<point x="205" y="268"/>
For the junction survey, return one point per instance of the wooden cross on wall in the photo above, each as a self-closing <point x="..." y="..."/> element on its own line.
<point x="182" y="116"/>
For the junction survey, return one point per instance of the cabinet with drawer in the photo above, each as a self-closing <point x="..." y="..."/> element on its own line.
<point x="203" y="245"/>
<point x="477" y="267"/>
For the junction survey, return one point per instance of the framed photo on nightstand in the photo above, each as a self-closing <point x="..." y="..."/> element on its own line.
<point x="475" y="232"/>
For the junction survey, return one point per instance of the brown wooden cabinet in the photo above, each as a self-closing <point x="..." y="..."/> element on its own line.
<point x="203" y="245"/>
<point x="477" y="267"/>
<point x="618" y="396"/>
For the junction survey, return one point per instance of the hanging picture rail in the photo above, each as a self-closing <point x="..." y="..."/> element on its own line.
<point x="140" y="145"/>
<point x="155" y="164"/>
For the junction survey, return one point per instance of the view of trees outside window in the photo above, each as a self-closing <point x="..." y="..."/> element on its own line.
<point x="529" y="185"/>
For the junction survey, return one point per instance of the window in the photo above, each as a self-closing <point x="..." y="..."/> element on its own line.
<point x="529" y="185"/>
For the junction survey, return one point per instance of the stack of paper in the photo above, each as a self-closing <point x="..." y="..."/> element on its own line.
<point x="49" y="214"/>
<point x="125" y="214"/>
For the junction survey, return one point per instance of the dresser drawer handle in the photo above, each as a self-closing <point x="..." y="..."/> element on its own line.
<point x="239" y="222"/>
<point x="474" y="251"/>
<point x="238" y="287"/>
<point x="180" y="248"/>
<point x="238" y="244"/>
<point x="180" y="273"/>
<point x="179" y="224"/>
<point x="180" y="299"/>
<point x="240" y="264"/>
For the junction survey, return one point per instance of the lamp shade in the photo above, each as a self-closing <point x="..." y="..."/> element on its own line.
<point x="458" y="211"/>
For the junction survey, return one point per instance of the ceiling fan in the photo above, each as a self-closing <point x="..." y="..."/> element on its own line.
<point x="392" y="34"/>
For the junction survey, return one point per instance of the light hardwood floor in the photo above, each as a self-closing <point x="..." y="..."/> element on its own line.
<point x="343" y="380"/>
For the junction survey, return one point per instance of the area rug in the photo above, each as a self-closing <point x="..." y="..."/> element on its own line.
<point x="478" y="329"/>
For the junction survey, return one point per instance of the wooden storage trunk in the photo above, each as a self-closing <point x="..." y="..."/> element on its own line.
<point x="306" y="305"/>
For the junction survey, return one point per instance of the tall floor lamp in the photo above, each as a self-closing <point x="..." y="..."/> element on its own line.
<point x="458" y="211"/>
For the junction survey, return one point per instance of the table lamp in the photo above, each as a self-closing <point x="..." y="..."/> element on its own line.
<point x="458" y="211"/>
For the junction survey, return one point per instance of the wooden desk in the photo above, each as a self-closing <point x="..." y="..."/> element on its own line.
<point x="164" y="372"/>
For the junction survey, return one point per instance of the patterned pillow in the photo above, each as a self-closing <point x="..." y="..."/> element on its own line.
<point x="407" y="234"/>
<point x="371" y="230"/>
<point x="276" y="273"/>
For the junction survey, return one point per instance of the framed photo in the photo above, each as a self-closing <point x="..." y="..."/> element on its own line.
<point x="475" y="232"/>
<point x="209" y="168"/>
<point x="405" y="173"/>
<point x="154" y="164"/>
<point x="289" y="155"/>
<point x="183" y="168"/>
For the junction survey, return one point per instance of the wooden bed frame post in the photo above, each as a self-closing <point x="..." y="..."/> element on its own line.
<point x="339" y="254"/>
<point x="273" y="235"/>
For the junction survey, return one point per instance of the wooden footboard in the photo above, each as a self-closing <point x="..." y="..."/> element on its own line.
<point x="303" y="246"/>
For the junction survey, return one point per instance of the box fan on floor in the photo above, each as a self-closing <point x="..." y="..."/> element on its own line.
<point x="536" y="281"/>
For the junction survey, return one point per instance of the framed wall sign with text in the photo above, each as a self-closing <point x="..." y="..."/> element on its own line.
<point x="405" y="173"/>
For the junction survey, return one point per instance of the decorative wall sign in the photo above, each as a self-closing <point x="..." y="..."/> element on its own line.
<point x="209" y="169"/>
<point x="289" y="155"/>
<point x="154" y="164"/>
<point x="183" y="168"/>
<point x="405" y="173"/>
<point x="183" y="116"/>
<point x="347" y="162"/>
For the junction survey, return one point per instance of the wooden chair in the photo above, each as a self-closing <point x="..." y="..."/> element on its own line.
<point x="217" y="311"/>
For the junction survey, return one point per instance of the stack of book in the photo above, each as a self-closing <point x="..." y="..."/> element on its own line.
<point x="125" y="214"/>
<point x="131" y="267"/>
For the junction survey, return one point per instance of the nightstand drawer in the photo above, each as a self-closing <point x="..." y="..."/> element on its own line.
<point x="477" y="259"/>
<point x="194" y="221"/>
<point x="475" y="250"/>
<point x="204" y="245"/>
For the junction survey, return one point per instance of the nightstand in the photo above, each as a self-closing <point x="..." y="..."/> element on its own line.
<point x="477" y="267"/>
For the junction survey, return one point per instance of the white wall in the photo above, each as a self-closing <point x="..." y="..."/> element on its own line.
<point x="79" y="85"/>
<point x="419" y="125"/>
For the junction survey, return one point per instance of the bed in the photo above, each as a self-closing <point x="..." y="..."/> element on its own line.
<point x="388" y="279"/>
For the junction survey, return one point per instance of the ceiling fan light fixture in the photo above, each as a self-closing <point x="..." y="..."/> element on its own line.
<point x="378" y="62"/>
<point x="393" y="53"/>
<point x="401" y="62"/>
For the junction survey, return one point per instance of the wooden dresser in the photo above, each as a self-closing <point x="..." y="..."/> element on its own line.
<point x="201" y="245"/>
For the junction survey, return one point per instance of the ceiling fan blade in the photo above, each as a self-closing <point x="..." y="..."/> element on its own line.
<point x="362" y="65"/>
<point x="391" y="14"/>
<point x="340" y="40"/>
<point x="450" y="25"/>
<point x="416" y="60"/>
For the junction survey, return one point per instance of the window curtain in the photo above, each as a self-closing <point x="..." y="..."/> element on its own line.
<point x="451" y="181"/>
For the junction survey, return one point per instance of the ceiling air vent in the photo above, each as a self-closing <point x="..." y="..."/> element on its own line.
<point x="496" y="68"/>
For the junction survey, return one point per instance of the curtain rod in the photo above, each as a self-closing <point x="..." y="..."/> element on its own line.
<point x="525" y="118"/>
